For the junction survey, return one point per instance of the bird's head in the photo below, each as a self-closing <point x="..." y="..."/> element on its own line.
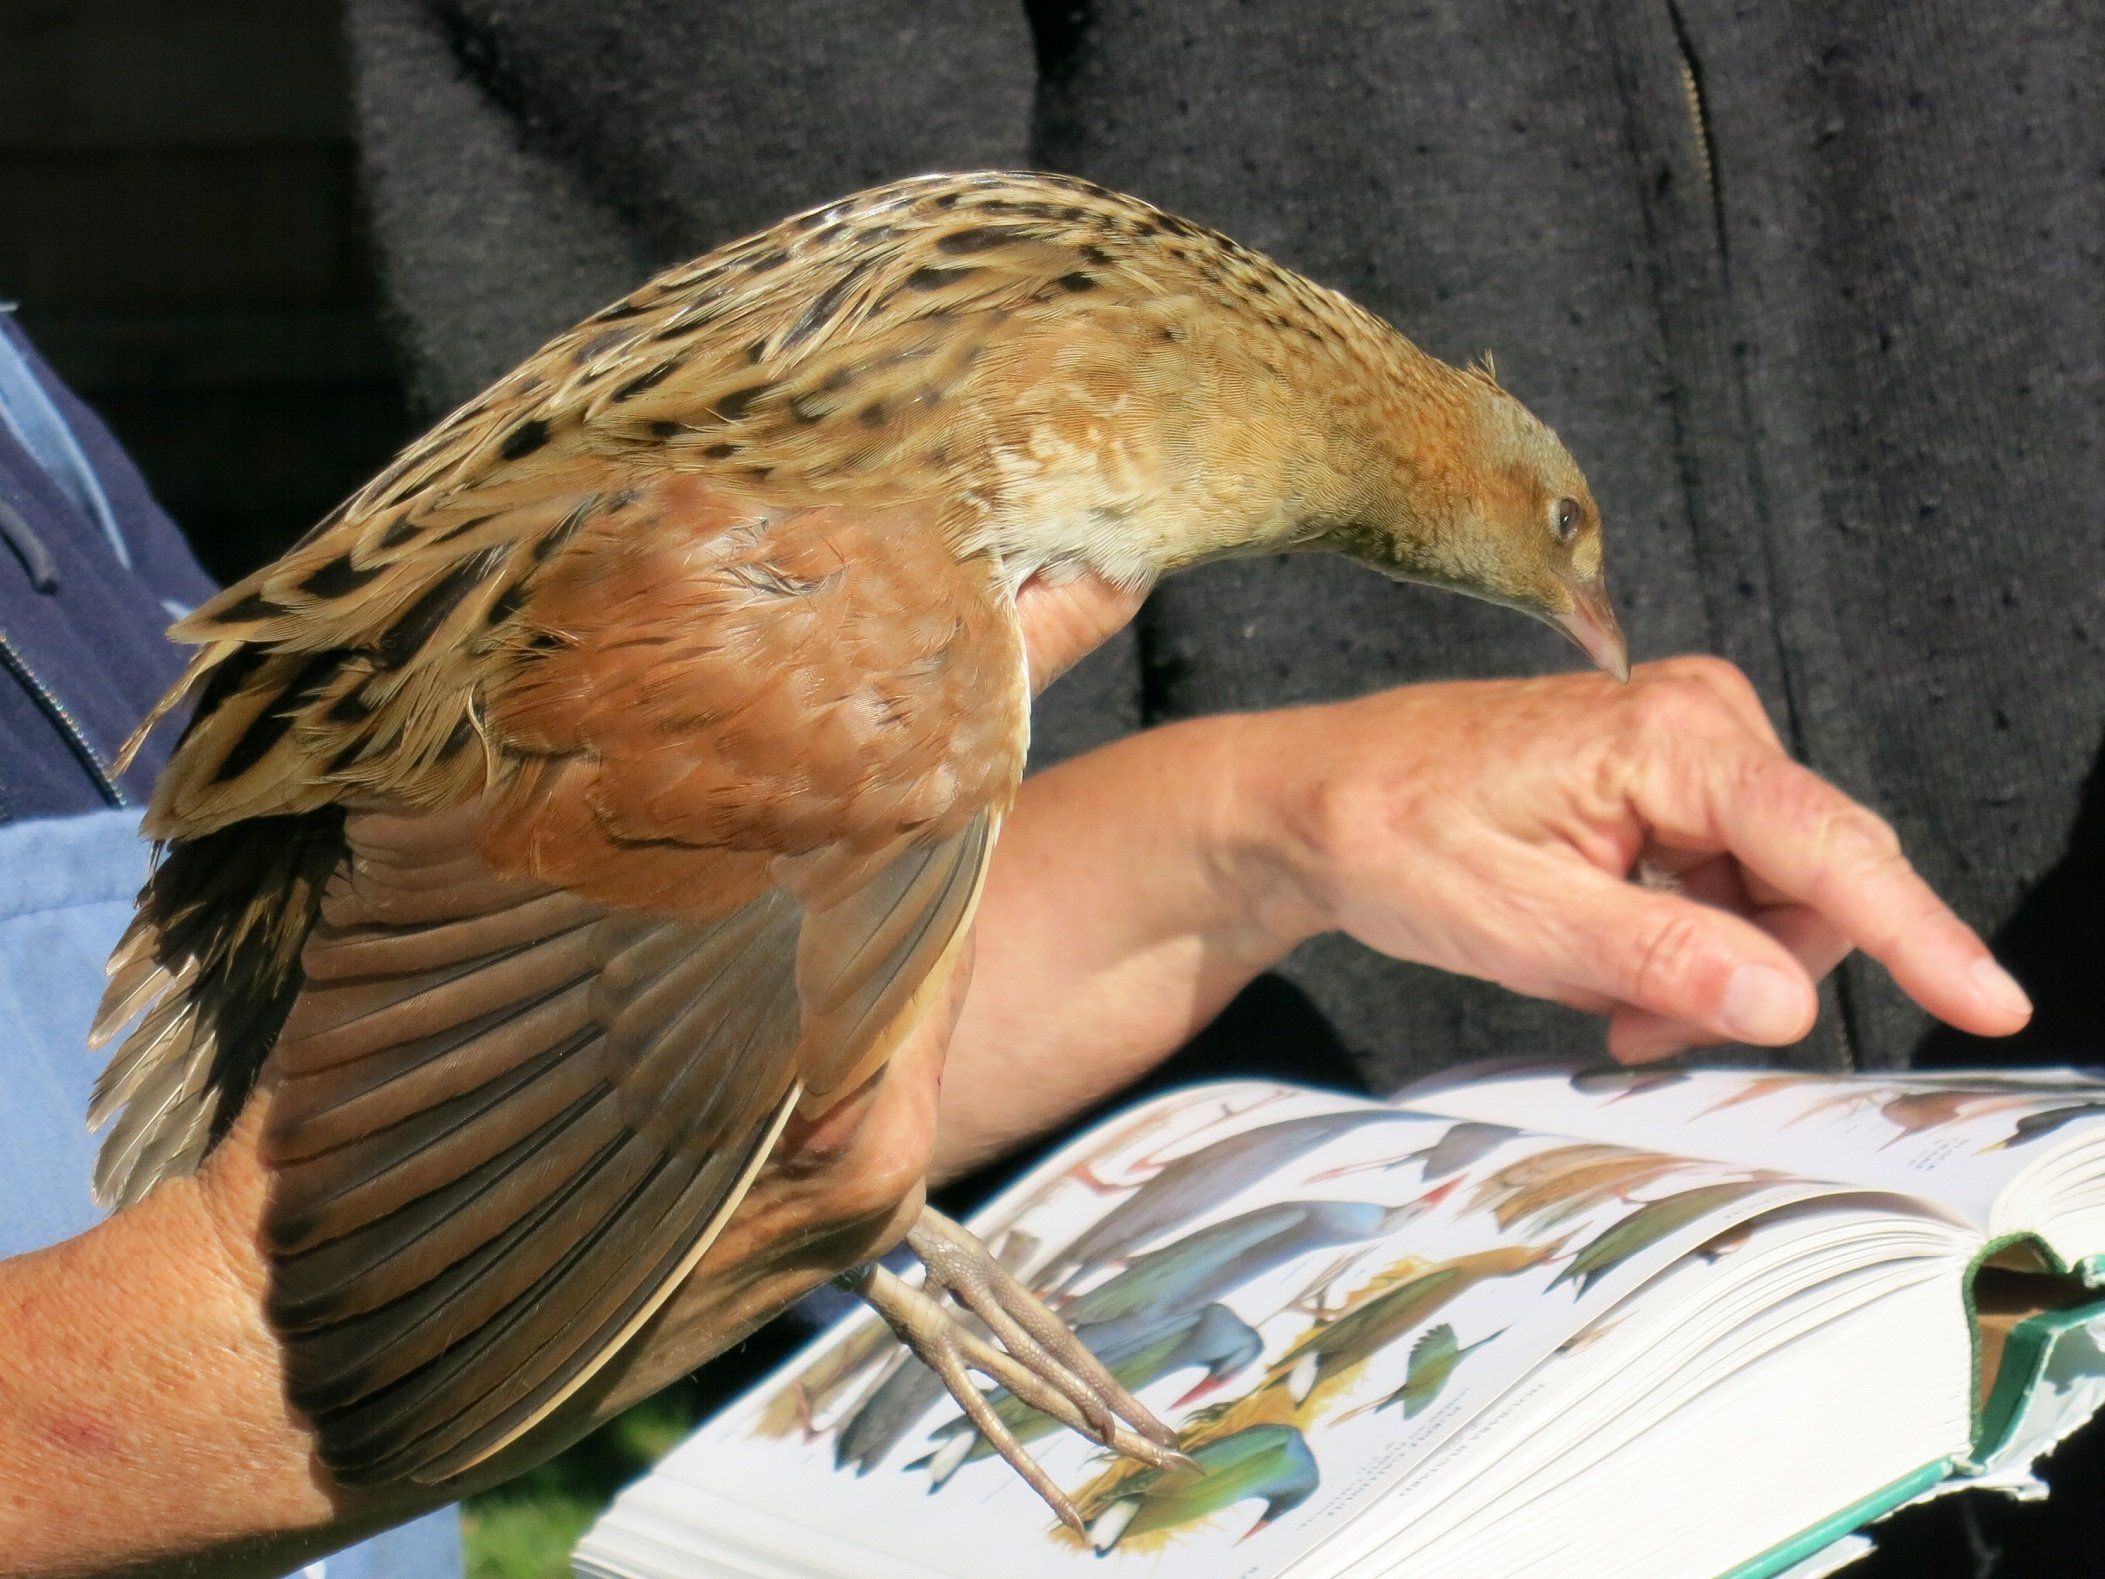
<point x="1462" y="487"/>
<point x="1174" y="397"/>
<point x="1529" y="503"/>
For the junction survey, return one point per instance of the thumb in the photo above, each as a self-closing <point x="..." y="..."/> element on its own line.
<point x="1066" y="619"/>
<point x="1683" y="961"/>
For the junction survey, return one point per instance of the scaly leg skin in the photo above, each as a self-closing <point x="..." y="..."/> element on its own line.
<point x="1039" y="1359"/>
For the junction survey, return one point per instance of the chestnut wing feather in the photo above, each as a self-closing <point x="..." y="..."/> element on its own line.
<point x="744" y="771"/>
<point x="501" y="1135"/>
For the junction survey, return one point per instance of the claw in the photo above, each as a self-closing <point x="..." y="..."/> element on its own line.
<point x="1027" y="1327"/>
<point x="1035" y="1356"/>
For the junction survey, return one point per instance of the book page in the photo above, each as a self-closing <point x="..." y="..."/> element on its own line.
<point x="1317" y="1290"/>
<point x="1960" y="1139"/>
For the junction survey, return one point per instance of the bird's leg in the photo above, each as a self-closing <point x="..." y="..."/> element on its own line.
<point x="1037" y="1358"/>
<point x="1015" y="1247"/>
<point x="1027" y="1328"/>
<point x="1314" y="1297"/>
<point x="1142" y="1168"/>
<point x="1347" y="1169"/>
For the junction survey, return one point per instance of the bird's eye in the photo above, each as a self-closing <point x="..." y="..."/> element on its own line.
<point x="1564" y="519"/>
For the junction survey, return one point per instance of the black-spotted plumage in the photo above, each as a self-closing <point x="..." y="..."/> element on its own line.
<point x="617" y="771"/>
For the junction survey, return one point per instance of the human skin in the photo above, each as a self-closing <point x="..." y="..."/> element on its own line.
<point x="1487" y="828"/>
<point x="1646" y="852"/>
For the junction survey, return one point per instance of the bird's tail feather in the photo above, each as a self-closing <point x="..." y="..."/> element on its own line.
<point x="212" y="963"/>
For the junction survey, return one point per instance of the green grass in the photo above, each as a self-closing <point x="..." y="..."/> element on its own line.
<point x="525" y="1528"/>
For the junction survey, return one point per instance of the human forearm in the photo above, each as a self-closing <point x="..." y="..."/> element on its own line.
<point x="143" y="1424"/>
<point x="1129" y="899"/>
<point x="1648" y="853"/>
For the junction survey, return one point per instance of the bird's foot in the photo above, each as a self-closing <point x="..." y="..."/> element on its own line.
<point x="1036" y="1356"/>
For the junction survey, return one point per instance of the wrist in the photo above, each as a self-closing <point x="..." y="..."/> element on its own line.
<point x="1265" y="843"/>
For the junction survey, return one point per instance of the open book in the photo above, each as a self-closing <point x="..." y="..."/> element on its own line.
<point x="1525" y="1320"/>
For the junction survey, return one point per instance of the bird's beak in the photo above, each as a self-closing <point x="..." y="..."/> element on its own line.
<point x="1204" y="1387"/>
<point x="1592" y="624"/>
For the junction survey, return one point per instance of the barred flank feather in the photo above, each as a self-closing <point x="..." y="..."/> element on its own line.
<point x="213" y="958"/>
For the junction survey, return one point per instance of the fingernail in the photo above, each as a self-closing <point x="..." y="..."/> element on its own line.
<point x="1998" y="989"/>
<point x="1763" y="1005"/>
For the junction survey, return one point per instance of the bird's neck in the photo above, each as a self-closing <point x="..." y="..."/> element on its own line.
<point x="1132" y="456"/>
<point x="1098" y="519"/>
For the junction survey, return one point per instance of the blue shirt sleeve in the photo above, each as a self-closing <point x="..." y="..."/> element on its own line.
<point x="82" y="609"/>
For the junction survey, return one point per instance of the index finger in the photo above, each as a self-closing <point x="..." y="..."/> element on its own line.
<point x="1813" y="844"/>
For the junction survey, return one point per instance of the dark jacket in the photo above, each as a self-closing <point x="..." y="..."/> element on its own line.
<point x="1813" y="291"/>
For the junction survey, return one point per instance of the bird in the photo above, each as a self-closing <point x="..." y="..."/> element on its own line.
<point x="2039" y="1125"/>
<point x="1922" y="1112"/>
<point x="1557" y="1198"/>
<point x="1330" y="1356"/>
<point x="1542" y="1167"/>
<point x="1213" y="1261"/>
<point x="1625" y="1083"/>
<point x="1652" y="1223"/>
<point x="1271" y="1462"/>
<point x="1434" y="1356"/>
<point x="1763" y="1086"/>
<point x="1190" y="1182"/>
<point x="1461" y="1145"/>
<point x="1222" y="1106"/>
<point x="1932" y="1106"/>
<point x="613" y="777"/>
<point x="1847" y="1099"/>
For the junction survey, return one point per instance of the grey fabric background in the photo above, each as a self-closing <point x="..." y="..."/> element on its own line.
<point x="1831" y="353"/>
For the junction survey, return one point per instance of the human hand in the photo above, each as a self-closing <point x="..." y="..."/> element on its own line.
<point x="1065" y="618"/>
<point x="1646" y="852"/>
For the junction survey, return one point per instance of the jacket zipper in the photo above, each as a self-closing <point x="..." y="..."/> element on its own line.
<point x="1696" y="122"/>
<point x="55" y="710"/>
<point x="1698" y="116"/>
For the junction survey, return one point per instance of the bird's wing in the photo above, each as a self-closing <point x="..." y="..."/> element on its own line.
<point x="741" y="772"/>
